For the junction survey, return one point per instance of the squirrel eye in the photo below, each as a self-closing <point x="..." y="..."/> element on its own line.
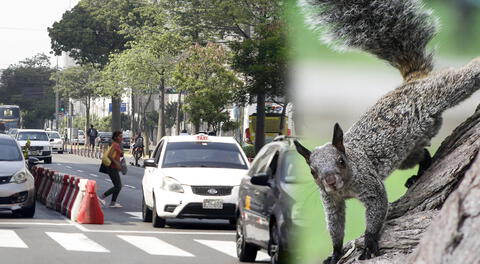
<point x="341" y="161"/>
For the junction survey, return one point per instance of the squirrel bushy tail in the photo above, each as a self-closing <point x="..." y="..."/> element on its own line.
<point x="393" y="30"/>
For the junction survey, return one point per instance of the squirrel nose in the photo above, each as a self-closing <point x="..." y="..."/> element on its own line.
<point x="330" y="179"/>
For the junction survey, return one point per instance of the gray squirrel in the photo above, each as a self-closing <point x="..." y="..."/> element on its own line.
<point x="394" y="132"/>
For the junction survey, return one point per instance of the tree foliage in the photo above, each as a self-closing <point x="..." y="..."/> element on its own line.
<point x="207" y="82"/>
<point x="91" y="31"/>
<point x="28" y="85"/>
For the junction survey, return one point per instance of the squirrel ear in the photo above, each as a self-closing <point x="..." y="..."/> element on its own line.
<point x="337" y="140"/>
<point x="303" y="151"/>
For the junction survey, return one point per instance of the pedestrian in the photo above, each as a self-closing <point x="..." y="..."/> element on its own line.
<point x="184" y="133"/>
<point x="92" y="134"/>
<point x="113" y="171"/>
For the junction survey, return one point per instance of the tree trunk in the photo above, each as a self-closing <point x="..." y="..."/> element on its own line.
<point x="116" y="121"/>
<point x="438" y="219"/>
<point x="260" y="123"/>
<point x="179" y="106"/>
<point x="161" y="111"/>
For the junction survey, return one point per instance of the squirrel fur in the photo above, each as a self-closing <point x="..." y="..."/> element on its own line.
<point x="394" y="132"/>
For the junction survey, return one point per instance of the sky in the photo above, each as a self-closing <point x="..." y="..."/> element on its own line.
<point x="23" y="28"/>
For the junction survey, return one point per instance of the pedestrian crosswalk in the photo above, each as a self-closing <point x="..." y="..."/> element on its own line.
<point x="152" y="245"/>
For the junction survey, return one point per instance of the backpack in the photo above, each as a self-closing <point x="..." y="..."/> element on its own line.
<point x="93" y="132"/>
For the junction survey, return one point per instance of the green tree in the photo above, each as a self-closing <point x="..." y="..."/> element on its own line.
<point x="208" y="84"/>
<point x="92" y="31"/>
<point x="146" y="67"/>
<point x="28" y="85"/>
<point x="255" y="22"/>
<point x="81" y="83"/>
<point x="263" y="63"/>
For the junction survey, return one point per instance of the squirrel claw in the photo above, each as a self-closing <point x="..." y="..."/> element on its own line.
<point x="332" y="259"/>
<point x="412" y="180"/>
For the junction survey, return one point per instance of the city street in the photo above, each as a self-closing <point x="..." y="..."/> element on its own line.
<point x="124" y="238"/>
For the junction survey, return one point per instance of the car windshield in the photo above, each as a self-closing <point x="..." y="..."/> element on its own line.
<point x="203" y="154"/>
<point x="53" y="135"/>
<point x="80" y="133"/>
<point x="9" y="151"/>
<point x="33" y="136"/>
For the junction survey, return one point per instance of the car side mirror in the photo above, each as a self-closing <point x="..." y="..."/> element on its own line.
<point x="260" y="179"/>
<point x="51" y="140"/>
<point x="149" y="163"/>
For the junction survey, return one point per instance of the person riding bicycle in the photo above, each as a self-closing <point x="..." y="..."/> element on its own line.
<point x="137" y="148"/>
<point x="138" y="141"/>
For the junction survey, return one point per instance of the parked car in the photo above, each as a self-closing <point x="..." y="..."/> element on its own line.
<point x="57" y="143"/>
<point x="39" y="143"/>
<point x="104" y="138"/>
<point x="80" y="140"/>
<point x="193" y="177"/>
<point x="17" y="189"/>
<point x="126" y="142"/>
<point x="265" y="218"/>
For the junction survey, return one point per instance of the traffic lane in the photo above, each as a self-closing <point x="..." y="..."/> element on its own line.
<point x="129" y="216"/>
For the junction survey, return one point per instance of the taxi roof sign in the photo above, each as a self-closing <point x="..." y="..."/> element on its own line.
<point x="202" y="137"/>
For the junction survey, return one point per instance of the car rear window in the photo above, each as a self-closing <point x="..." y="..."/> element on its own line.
<point x="33" y="136"/>
<point x="203" y="154"/>
<point x="9" y="151"/>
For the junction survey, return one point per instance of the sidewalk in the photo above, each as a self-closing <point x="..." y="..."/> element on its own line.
<point x="85" y="151"/>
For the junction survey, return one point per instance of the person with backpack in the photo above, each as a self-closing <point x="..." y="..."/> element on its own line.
<point x="92" y="134"/>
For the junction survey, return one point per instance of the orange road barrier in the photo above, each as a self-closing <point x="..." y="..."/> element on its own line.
<point x="90" y="211"/>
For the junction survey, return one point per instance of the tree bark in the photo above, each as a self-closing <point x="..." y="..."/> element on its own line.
<point x="438" y="219"/>
<point x="260" y="123"/>
<point x="116" y="101"/>
<point x="161" y="111"/>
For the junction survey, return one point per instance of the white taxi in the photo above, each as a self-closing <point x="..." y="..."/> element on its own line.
<point x="193" y="177"/>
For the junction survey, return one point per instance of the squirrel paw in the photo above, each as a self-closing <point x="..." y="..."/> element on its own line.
<point x="371" y="248"/>
<point x="332" y="259"/>
<point x="411" y="181"/>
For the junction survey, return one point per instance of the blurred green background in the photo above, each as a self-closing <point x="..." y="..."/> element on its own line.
<point x="458" y="38"/>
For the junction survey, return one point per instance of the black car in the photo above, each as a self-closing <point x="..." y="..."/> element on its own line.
<point x="265" y="203"/>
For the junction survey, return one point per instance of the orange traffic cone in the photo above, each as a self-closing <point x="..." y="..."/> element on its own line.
<point x="90" y="211"/>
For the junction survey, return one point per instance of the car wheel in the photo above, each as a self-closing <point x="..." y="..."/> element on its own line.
<point x="275" y="249"/>
<point x="246" y="252"/>
<point x="156" y="221"/>
<point x="28" y="212"/>
<point x="60" y="152"/>
<point x="146" y="212"/>
<point x="48" y="160"/>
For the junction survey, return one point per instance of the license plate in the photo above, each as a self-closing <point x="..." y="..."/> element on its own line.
<point x="212" y="204"/>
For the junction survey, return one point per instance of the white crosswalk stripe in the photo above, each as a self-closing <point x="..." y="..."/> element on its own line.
<point x="8" y="238"/>
<point x="229" y="248"/>
<point x="149" y="244"/>
<point x="155" y="246"/>
<point x="76" y="242"/>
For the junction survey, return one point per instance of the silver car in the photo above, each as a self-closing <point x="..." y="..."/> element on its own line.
<point x="17" y="188"/>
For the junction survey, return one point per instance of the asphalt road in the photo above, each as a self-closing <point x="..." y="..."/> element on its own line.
<point x="124" y="238"/>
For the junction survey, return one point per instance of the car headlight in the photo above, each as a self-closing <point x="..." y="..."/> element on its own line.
<point x="19" y="177"/>
<point x="171" y="185"/>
